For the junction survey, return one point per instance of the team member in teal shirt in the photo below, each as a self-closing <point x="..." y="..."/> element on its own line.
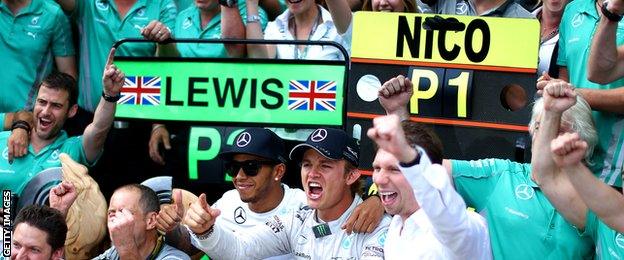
<point x="34" y="35"/>
<point x="103" y="22"/>
<point x="55" y="102"/>
<point x="522" y="222"/>
<point x="578" y="25"/>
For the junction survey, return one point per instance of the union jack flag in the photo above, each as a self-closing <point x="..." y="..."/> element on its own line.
<point x="140" y="90"/>
<point x="317" y="95"/>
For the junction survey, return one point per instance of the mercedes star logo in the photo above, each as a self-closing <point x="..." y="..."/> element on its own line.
<point x="239" y="215"/>
<point x="243" y="140"/>
<point x="318" y="135"/>
<point x="619" y="240"/>
<point x="524" y="192"/>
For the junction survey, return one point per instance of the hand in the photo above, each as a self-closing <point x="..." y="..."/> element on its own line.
<point x="170" y="215"/>
<point x="121" y="228"/>
<point x="18" y="143"/>
<point x="200" y="216"/>
<point x="366" y="216"/>
<point x="616" y="6"/>
<point x="542" y="81"/>
<point x="112" y="78"/>
<point x="558" y="96"/>
<point x="568" y="150"/>
<point x="389" y="136"/>
<point x="159" y="134"/>
<point x="63" y="196"/>
<point x="395" y="94"/>
<point x="156" y="31"/>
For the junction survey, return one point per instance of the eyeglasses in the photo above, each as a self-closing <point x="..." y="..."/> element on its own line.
<point x="250" y="167"/>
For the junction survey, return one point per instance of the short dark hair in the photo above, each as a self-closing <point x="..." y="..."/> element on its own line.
<point x="148" y="200"/>
<point x="47" y="219"/>
<point x="62" y="81"/>
<point x="423" y="136"/>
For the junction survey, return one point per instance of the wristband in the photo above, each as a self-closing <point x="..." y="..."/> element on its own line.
<point x="206" y="234"/>
<point x="112" y="99"/>
<point x="253" y="19"/>
<point x="21" y="124"/>
<point x="608" y="14"/>
<point x="413" y="162"/>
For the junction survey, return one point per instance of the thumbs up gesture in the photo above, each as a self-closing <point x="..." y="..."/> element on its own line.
<point x="170" y="215"/>
<point x="200" y="216"/>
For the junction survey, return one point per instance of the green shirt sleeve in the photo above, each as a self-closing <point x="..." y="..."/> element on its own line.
<point x="591" y="225"/>
<point x="2" y="122"/>
<point x="475" y="181"/>
<point x="562" y="60"/>
<point x="73" y="147"/>
<point x="62" y="43"/>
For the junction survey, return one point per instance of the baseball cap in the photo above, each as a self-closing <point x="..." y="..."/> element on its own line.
<point x="331" y="143"/>
<point x="256" y="141"/>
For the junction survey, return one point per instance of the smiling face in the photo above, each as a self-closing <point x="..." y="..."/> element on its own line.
<point x="388" y="5"/>
<point x="30" y="243"/>
<point x="395" y="192"/>
<point x="51" y="111"/>
<point x="298" y="7"/>
<point x="252" y="189"/>
<point x="555" y="6"/>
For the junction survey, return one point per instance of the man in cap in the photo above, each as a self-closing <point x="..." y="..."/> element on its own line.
<point x="256" y="164"/>
<point x="329" y="176"/>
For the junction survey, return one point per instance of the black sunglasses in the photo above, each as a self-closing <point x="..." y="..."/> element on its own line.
<point x="250" y="167"/>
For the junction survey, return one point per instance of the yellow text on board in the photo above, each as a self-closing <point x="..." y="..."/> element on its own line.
<point x="471" y="40"/>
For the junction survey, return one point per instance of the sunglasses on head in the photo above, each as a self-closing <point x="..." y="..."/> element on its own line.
<point x="250" y="167"/>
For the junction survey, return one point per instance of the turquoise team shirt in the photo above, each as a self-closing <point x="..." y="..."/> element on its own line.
<point x="609" y="243"/>
<point x="188" y="25"/>
<point x="521" y="221"/>
<point x="15" y="176"/>
<point x="2" y="121"/>
<point x="578" y="24"/>
<point x="100" y="26"/>
<point x="29" y="41"/>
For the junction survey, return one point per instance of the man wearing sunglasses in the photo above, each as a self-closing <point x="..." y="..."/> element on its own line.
<point x="329" y="160"/>
<point x="256" y="164"/>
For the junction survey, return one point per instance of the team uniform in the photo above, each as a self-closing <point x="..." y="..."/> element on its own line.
<point x="441" y="228"/>
<point x="100" y="26"/>
<point x="578" y="24"/>
<point x="294" y="234"/>
<point x="465" y="7"/>
<point x="236" y="215"/>
<point x="188" y="25"/>
<point x="522" y="223"/>
<point x="15" y="176"/>
<point x="609" y="243"/>
<point x="325" y="31"/>
<point x="29" y="42"/>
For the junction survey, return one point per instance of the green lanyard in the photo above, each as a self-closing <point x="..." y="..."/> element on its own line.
<point x="305" y="49"/>
<point x="159" y="246"/>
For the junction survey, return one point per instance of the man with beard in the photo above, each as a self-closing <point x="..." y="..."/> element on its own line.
<point x="256" y="164"/>
<point x="54" y="104"/>
<point x="329" y="174"/>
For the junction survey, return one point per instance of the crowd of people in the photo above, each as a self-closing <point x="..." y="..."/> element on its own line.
<point x="61" y="92"/>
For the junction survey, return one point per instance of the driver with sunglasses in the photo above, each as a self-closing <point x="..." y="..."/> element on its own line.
<point x="329" y="174"/>
<point x="256" y="164"/>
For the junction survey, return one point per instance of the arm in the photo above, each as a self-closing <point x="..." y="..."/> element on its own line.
<point x="606" y="60"/>
<point x="218" y="242"/>
<point x="365" y="217"/>
<point x="95" y="133"/>
<point x="232" y="27"/>
<point x="568" y="152"/>
<point x="159" y="135"/>
<point x="67" y="65"/>
<point x="341" y="14"/>
<point x="20" y="138"/>
<point x="558" y="97"/>
<point x="395" y="94"/>
<point x="254" y="31"/>
<point x="608" y="100"/>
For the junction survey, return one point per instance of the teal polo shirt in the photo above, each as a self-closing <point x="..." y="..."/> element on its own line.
<point x="100" y="26"/>
<point x="522" y="223"/>
<point x="188" y="25"/>
<point x="2" y="121"/>
<point x="15" y="176"/>
<point x="609" y="243"/>
<point x="578" y="24"/>
<point x="29" y="41"/>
